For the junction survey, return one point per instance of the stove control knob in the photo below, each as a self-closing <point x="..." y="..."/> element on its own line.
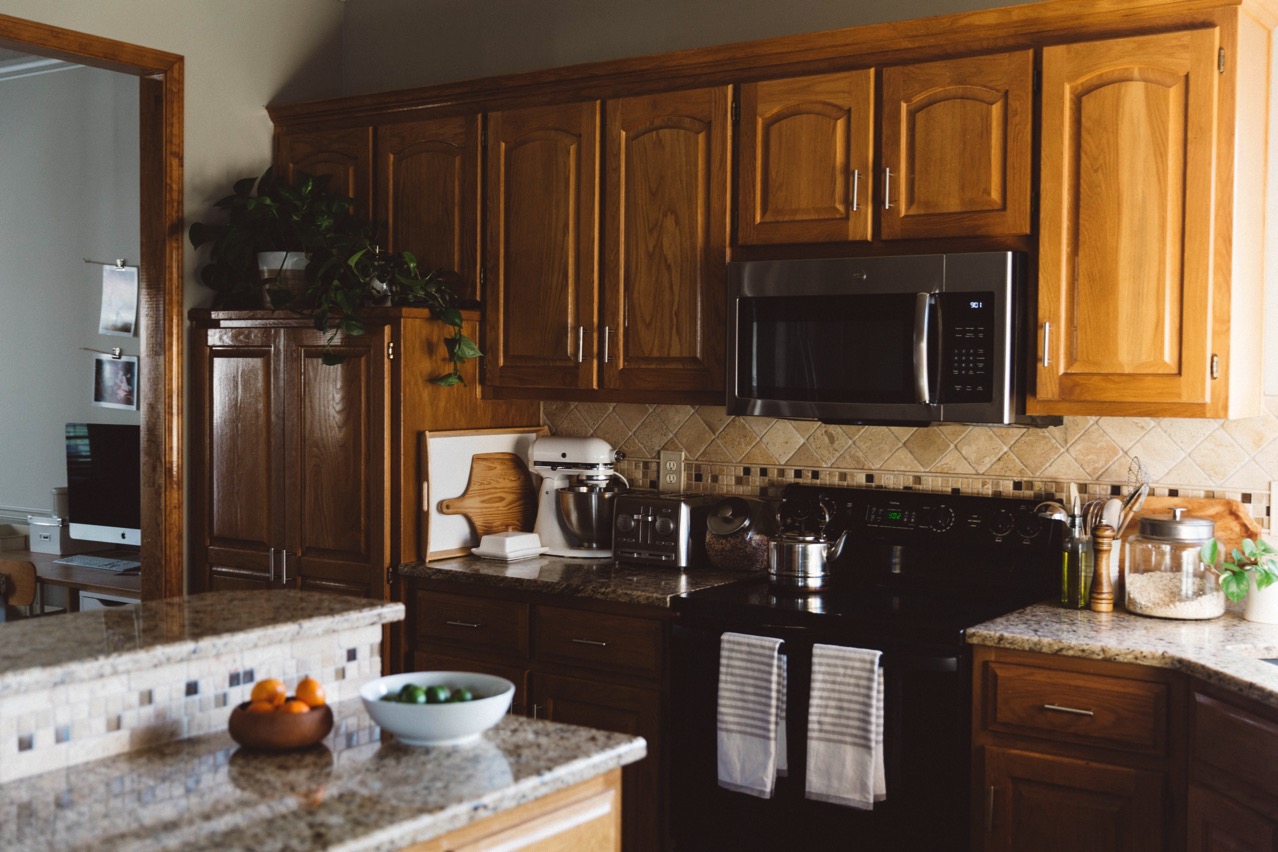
<point x="1028" y="524"/>
<point x="664" y="526"/>
<point x="942" y="518"/>
<point x="1002" y="524"/>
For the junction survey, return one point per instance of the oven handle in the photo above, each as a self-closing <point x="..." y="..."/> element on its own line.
<point x="944" y="663"/>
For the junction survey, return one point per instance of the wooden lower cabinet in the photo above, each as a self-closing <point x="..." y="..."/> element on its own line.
<point x="1233" y="775"/>
<point x="1075" y="755"/>
<point x="589" y="663"/>
<point x="583" y="818"/>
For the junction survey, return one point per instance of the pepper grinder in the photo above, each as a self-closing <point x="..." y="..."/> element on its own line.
<point x="1102" y="594"/>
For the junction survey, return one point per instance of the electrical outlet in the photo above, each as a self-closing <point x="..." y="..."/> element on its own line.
<point x="670" y="470"/>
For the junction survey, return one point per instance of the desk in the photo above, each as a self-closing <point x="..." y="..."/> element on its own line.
<point x="76" y="579"/>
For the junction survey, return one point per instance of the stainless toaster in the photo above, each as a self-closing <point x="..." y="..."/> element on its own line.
<point x="661" y="528"/>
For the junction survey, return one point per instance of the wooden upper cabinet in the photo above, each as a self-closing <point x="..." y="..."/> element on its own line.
<point x="541" y="288"/>
<point x="1125" y="285"/>
<point x="806" y="158"/>
<point x="344" y="154"/>
<point x="666" y="241"/>
<point x="957" y="147"/>
<point x="428" y="194"/>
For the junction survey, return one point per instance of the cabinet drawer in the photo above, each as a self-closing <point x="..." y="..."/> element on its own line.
<point x="615" y="643"/>
<point x="472" y="622"/>
<point x="1068" y="706"/>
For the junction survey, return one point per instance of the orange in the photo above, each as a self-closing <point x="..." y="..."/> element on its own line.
<point x="270" y="690"/>
<point x="310" y="691"/>
<point x="294" y="706"/>
<point x="260" y="707"/>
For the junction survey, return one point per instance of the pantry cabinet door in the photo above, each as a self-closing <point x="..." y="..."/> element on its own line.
<point x="428" y="195"/>
<point x="807" y="147"/>
<point x="344" y="154"/>
<point x="1125" y="279"/>
<point x="541" y="286"/>
<point x="957" y="142"/>
<point x="666" y="239"/>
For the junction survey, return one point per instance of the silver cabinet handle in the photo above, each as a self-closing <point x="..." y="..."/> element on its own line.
<point x="990" y="793"/>
<point x="594" y="642"/>
<point x="581" y="343"/>
<point x="469" y="624"/>
<point x="283" y="566"/>
<point x="921" y="302"/>
<point x="887" y="188"/>
<point x="856" y="190"/>
<point x="607" y="339"/>
<point x="1047" y="344"/>
<point x="271" y="565"/>
<point x="1074" y="711"/>
<point x="536" y="709"/>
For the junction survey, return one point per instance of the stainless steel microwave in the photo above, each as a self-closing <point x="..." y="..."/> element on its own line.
<point x="898" y="340"/>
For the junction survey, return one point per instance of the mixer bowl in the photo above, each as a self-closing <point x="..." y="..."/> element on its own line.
<point x="586" y="511"/>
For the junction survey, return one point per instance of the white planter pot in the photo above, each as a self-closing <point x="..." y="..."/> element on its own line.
<point x="282" y="270"/>
<point x="1261" y="605"/>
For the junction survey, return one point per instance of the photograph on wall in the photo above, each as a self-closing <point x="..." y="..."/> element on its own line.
<point x="119" y="300"/>
<point x="115" y="381"/>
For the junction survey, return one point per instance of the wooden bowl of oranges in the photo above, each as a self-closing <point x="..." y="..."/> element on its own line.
<point x="274" y="720"/>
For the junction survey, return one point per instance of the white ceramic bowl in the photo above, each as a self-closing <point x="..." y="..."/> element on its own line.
<point x="453" y="723"/>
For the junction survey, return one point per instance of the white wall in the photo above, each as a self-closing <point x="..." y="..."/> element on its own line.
<point x="392" y="44"/>
<point x="69" y="180"/>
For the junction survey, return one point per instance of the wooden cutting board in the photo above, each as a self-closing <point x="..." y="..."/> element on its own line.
<point x="1233" y="520"/>
<point x="499" y="495"/>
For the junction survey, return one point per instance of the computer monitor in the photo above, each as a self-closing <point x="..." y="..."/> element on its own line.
<point x="104" y="483"/>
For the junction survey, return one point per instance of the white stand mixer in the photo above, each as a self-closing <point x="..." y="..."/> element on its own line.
<point x="574" y="504"/>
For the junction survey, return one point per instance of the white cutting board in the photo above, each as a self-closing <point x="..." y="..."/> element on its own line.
<point x="446" y="457"/>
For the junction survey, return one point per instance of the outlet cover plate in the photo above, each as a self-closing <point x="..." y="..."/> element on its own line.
<point x="670" y="470"/>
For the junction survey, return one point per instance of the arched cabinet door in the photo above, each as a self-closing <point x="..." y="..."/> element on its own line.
<point x="957" y="147"/>
<point x="345" y="155"/>
<point x="1125" y="279"/>
<point x="807" y="148"/>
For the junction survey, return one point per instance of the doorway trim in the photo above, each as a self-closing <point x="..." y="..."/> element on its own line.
<point x="160" y="278"/>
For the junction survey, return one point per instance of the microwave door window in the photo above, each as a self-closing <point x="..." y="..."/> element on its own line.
<point x="832" y="349"/>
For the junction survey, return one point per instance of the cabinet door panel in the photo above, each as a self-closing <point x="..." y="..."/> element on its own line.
<point x="1046" y="802"/>
<point x="338" y="446"/>
<point x="1125" y="250"/>
<point x="345" y="155"/>
<point x="243" y="448"/>
<point x="666" y="239"/>
<point x="542" y="224"/>
<point x="429" y="173"/>
<point x="957" y="138"/>
<point x="806" y="158"/>
<point x="1219" y="824"/>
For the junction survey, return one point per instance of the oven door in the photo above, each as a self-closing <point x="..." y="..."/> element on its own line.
<point x="926" y="754"/>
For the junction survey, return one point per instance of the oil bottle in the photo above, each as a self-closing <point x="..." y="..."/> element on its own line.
<point x="1076" y="562"/>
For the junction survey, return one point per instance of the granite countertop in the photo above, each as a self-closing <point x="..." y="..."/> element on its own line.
<point x="1228" y="651"/>
<point x="597" y="579"/>
<point x="44" y="652"/>
<point x="351" y="792"/>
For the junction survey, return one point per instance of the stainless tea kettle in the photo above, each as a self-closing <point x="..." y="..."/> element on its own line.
<point x="801" y="562"/>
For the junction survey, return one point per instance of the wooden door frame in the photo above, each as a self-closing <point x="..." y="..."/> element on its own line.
<point x="160" y="298"/>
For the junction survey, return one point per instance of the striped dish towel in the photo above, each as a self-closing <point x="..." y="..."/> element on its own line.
<point x="845" y="727"/>
<point x="749" y="695"/>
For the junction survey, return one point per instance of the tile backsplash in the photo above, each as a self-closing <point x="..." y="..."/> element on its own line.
<point x="1233" y="459"/>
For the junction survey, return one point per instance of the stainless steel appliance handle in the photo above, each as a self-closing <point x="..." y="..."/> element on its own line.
<point x="856" y="190"/>
<point x="887" y="188"/>
<point x="921" y="302"/>
<point x="1047" y="341"/>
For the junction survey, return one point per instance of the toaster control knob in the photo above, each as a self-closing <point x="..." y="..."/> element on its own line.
<point x="665" y="526"/>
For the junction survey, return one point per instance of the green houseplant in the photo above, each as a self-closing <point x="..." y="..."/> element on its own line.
<point x="1255" y="561"/>
<point x="344" y="270"/>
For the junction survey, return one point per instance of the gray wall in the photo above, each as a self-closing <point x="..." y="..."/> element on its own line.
<point x="69" y="159"/>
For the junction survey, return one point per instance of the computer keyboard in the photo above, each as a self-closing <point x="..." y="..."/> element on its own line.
<point x="82" y="560"/>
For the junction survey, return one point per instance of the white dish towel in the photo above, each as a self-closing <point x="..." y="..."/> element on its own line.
<point x="845" y="727"/>
<point x="750" y="696"/>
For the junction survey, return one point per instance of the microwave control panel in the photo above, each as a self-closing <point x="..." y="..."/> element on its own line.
<point x="967" y="347"/>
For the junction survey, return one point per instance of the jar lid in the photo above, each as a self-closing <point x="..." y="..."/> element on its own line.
<point x="729" y="515"/>
<point x="1177" y="525"/>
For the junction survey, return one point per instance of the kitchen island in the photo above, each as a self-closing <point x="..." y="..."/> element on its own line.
<point x="113" y="735"/>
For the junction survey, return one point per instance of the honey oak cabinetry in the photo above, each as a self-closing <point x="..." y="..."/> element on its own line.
<point x="1075" y="754"/>
<point x="343" y="154"/>
<point x="586" y="663"/>
<point x="306" y="474"/>
<point x="1233" y="780"/>
<point x="1150" y="247"/>
<point x="653" y="322"/>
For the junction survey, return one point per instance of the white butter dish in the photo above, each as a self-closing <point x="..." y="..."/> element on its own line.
<point x="509" y="542"/>
<point x="513" y="556"/>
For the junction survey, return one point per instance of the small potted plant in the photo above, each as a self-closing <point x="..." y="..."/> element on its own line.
<point x="1248" y="572"/>
<point x="272" y="227"/>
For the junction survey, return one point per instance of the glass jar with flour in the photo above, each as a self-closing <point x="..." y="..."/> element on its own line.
<point x="1165" y="576"/>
